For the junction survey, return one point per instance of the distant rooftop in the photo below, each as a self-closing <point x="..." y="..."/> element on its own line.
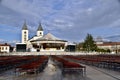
<point x="49" y="37"/>
<point x="4" y="44"/>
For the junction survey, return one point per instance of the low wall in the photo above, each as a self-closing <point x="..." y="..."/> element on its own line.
<point x="48" y="53"/>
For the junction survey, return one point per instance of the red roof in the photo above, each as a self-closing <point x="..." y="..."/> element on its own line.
<point x="4" y="44"/>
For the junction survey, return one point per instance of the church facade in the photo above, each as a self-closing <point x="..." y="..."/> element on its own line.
<point x="41" y="42"/>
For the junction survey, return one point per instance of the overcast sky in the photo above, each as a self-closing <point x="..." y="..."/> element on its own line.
<point x="67" y="19"/>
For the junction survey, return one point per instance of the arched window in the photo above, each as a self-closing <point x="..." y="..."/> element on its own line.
<point x="6" y="48"/>
<point x="25" y="32"/>
<point x="2" y="48"/>
<point x="24" y="39"/>
<point x="25" y="36"/>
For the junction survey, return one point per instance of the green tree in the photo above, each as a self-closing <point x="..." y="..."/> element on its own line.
<point x="89" y="44"/>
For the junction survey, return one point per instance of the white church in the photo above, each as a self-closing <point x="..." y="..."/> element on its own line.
<point x="41" y="42"/>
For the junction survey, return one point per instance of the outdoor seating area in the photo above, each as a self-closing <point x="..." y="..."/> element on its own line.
<point x="111" y="62"/>
<point x="33" y="67"/>
<point x="82" y="67"/>
<point x="22" y="63"/>
<point x="9" y="62"/>
<point x="68" y="66"/>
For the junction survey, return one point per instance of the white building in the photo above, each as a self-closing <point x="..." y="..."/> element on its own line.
<point x="42" y="42"/>
<point x="4" y="48"/>
<point x="113" y="46"/>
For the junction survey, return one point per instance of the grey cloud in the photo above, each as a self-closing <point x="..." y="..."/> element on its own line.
<point x="63" y="17"/>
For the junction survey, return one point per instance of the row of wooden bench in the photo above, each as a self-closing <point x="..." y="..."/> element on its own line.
<point x="22" y="63"/>
<point x="33" y="67"/>
<point x="68" y="66"/>
<point x="103" y="61"/>
<point x="9" y="62"/>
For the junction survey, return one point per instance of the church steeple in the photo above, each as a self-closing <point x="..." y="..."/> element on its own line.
<point x="40" y="30"/>
<point x="24" y="26"/>
<point x="24" y="33"/>
<point x="40" y="27"/>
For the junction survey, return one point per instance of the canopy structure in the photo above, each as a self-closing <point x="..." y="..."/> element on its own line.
<point x="49" y="43"/>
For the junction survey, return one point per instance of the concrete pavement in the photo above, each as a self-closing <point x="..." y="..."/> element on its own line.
<point x="94" y="73"/>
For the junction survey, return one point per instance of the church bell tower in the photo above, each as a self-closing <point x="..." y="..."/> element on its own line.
<point x="24" y="33"/>
<point x="40" y="31"/>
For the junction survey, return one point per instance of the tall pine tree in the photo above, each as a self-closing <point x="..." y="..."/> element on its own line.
<point x="89" y="44"/>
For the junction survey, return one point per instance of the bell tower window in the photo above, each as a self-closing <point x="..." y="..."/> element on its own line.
<point x="25" y="32"/>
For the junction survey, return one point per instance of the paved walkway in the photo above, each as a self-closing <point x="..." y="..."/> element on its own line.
<point x="114" y="74"/>
<point x="94" y="73"/>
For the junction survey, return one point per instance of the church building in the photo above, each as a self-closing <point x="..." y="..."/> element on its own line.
<point x="41" y="42"/>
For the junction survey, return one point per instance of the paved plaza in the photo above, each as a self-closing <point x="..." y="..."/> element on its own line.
<point x="53" y="72"/>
